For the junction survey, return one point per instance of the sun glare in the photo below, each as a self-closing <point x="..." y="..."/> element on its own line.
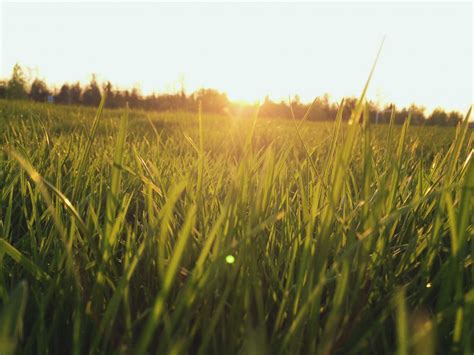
<point x="251" y="50"/>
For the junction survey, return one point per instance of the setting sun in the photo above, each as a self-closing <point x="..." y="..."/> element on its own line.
<point x="250" y="50"/>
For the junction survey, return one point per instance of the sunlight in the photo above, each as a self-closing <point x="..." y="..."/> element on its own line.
<point x="252" y="58"/>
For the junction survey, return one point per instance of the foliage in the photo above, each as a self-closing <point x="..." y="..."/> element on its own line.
<point x="16" y="86"/>
<point x="64" y="95"/>
<point x="213" y="101"/>
<point x="75" y="93"/>
<point x="39" y="91"/>
<point x="91" y="94"/>
<point x="3" y="89"/>
<point x="440" y="117"/>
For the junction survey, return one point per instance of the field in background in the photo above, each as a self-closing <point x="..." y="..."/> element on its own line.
<point x="137" y="232"/>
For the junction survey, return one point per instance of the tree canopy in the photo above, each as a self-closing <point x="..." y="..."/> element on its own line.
<point x="212" y="101"/>
<point x="16" y="86"/>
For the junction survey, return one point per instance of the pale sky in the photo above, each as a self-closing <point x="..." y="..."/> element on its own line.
<point x="250" y="50"/>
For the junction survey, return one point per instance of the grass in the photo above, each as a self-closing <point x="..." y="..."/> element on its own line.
<point x="141" y="232"/>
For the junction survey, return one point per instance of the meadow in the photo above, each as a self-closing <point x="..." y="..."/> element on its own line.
<point x="136" y="232"/>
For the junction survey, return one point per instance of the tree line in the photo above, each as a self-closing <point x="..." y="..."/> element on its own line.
<point x="212" y="101"/>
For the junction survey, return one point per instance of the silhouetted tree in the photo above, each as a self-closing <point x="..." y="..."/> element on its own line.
<point x="349" y="106"/>
<point x="454" y="118"/>
<point x="64" y="95"/>
<point x="322" y="109"/>
<point x="272" y="109"/>
<point x="385" y="113"/>
<point x="125" y="97"/>
<point x="3" y="89"/>
<point x="438" y="117"/>
<point x="39" y="91"/>
<point x="401" y="116"/>
<point x="91" y="95"/>
<point x="134" y="99"/>
<point x="298" y="108"/>
<point x="212" y="100"/>
<point x="417" y="114"/>
<point x="119" y="99"/>
<point x="107" y="89"/>
<point x="75" y="92"/>
<point x="16" y="86"/>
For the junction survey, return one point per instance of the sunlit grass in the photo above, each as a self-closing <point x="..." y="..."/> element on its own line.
<point x="138" y="232"/>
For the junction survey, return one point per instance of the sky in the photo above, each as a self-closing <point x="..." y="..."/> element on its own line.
<point x="250" y="50"/>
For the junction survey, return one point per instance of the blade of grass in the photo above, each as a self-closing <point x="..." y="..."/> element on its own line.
<point x="16" y="255"/>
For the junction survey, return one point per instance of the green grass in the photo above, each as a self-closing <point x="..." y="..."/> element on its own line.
<point x="141" y="232"/>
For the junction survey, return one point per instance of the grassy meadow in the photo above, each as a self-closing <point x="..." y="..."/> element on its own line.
<point x="138" y="232"/>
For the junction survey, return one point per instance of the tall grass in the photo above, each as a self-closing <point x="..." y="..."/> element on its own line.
<point x="216" y="235"/>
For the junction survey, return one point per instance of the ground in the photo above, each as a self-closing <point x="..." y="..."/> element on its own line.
<point x="174" y="232"/>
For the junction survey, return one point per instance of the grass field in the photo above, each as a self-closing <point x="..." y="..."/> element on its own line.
<point x="179" y="233"/>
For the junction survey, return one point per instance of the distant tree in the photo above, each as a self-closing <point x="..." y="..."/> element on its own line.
<point x="64" y="95"/>
<point x="373" y="110"/>
<point x="401" y="115"/>
<point x="126" y="97"/>
<point x="107" y="89"/>
<point x="91" y="95"/>
<point x="166" y="102"/>
<point x="272" y="109"/>
<point x="134" y="99"/>
<point x="298" y="108"/>
<point x="212" y="100"/>
<point x="384" y="113"/>
<point x="417" y="114"/>
<point x="454" y="118"/>
<point x="438" y="117"/>
<point x="75" y="92"/>
<point x="329" y="110"/>
<point x="119" y="99"/>
<point x="3" y="89"/>
<point x="349" y="106"/>
<point x="443" y="118"/>
<point x="39" y="91"/>
<point x="322" y="109"/>
<point x="16" y="86"/>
